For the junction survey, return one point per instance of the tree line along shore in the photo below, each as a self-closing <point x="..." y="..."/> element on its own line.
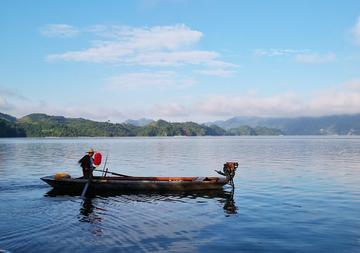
<point x="42" y="125"/>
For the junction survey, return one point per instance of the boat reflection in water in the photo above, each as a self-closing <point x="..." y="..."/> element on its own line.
<point x="223" y="196"/>
<point x="148" y="213"/>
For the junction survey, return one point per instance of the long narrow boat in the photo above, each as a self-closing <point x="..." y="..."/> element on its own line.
<point x="129" y="183"/>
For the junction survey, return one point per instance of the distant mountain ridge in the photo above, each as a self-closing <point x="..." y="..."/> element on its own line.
<point x="326" y="125"/>
<point x="42" y="125"/>
<point x="140" y="122"/>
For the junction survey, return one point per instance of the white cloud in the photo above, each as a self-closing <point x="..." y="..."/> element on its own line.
<point x="97" y="29"/>
<point x="10" y="108"/>
<point x="170" y="110"/>
<point x="315" y="58"/>
<point x="160" y="80"/>
<point x="353" y="84"/>
<point x="155" y="38"/>
<point x="277" y="52"/>
<point x="337" y="100"/>
<point x="356" y="32"/>
<point x="287" y="52"/>
<point x="111" y="52"/>
<point x="156" y="46"/>
<point x="218" y="72"/>
<point x="59" y="30"/>
<point x="99" y="113"/>
<point x="334" y="101"/>
<point x="96" y="113"/>
<point x="11" y="93"/>
<point x="259" y="52"/>
<point x="3" y="103"/>
<point x="284" y="104"/>
<point x="344" y="98"/>
<point x="176" y="59"/>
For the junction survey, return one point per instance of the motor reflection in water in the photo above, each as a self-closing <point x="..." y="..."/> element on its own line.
<point x="229" y="205"/>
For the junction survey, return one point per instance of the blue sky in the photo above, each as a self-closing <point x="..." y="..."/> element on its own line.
<point x="179" y="60"/>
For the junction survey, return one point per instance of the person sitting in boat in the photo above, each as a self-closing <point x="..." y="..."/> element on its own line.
<point x="87" y="164"/>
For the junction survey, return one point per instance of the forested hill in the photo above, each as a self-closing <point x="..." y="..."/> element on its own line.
<point x="42" y="125"/>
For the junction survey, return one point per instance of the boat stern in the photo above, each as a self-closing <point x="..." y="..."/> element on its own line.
<point x="229" y="170"/>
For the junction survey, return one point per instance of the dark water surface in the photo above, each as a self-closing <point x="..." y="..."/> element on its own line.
<point x="292" y="194"/>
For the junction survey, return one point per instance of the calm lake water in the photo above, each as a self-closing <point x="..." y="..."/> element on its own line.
<point x="292" y="194"/>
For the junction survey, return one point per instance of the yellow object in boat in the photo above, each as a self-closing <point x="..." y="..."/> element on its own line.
<point x="62" y="175"/>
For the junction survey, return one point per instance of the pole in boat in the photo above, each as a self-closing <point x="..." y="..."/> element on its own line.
<point x="104" y="175"/>
<point x="116" y="174"/>
<point x="85" y="188"/>
<point x="97" y="162"/>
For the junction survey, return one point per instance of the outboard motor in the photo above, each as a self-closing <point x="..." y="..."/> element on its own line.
<point x="229" y="171"/>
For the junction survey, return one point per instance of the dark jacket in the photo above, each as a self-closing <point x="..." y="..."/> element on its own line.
<point x="85" y="161"/>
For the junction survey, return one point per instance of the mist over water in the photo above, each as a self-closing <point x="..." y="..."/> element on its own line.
<point x="292" y="194"/>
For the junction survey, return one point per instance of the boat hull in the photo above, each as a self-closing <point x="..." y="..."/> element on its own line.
<point x="118" y="184"/>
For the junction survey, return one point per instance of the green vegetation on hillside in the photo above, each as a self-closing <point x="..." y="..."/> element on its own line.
<point x="242" y="130"/>
<point x="9" y="129"/>
<point x="7" y="117"/>
<point x="267" y="131"/>
<point x="42" y="125"/>
<point x="246" y="130"/>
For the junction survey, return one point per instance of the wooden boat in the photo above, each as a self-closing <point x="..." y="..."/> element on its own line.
<point x="128" y="183"/>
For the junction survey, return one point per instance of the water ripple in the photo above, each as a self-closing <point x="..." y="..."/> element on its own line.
<point x="291" y="194"/>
